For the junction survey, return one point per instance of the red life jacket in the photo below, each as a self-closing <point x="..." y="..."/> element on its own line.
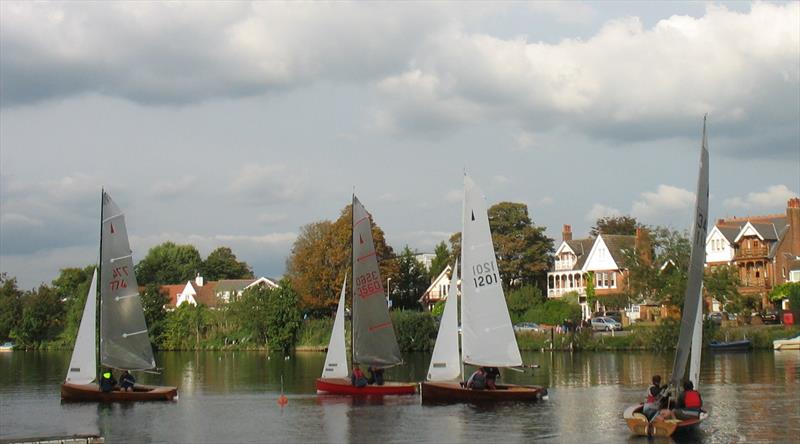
<point x="651" y="398"/>
<point x="691" y="399"/>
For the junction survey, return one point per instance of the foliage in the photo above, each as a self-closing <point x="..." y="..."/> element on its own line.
<point x="321" y="259"/>
<point x="410" y="282"/>
<point x="615" y="225"/>
<point x="553" y="312"/>
<point x="617" y="301"/>
<point x="438" y="309"/>
<point x="169" y="263"/>
<point x="722" y="283"/>
<point x="315" y="332"/>
<point x="72" y="287"/>
<point x="524" y="252"/>
<point x="520" y="300"/>
<point x="283" y="315"/>
<point x="591" y="294"/>
<point x="415" y="331"/>
<point x="42" y="317"/>
<point x="10" y="306"/>
<point x="223" y="264"/>
<point x="665" y="335"/>
<point x="155" y="315"/>
<point x="659" y="276"/>
<point x="791" y="291"/>
<point x="440" y="261"/>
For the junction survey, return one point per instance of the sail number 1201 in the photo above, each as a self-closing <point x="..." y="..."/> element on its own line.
<point x="484" y="274"/>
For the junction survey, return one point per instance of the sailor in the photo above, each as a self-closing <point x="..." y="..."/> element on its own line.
<point x="358" y="379"/>
<point x="690" y="402"/>
<point x="492" y="373"/>
<point x="126" y="381"/>
<point x="654" y="393"/>
<point x="107" y="382"/>
<point x="375" y="375"/>
<point x="478" y="380"/>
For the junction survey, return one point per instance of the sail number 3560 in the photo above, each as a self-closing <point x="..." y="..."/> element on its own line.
<point x="485" y="274"/>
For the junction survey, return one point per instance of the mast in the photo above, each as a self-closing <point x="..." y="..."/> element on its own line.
<point x="353" y="280"/>
<point x="99" y="310"/>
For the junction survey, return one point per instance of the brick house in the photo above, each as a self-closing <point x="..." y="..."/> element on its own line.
<point x="210" y="293"/>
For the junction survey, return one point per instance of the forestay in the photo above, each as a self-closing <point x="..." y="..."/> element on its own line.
<point x="124" y="342"/>
<point x="488" y="337"/>
<point x="446" y="361"/>
<point x="83" y="365"/>
<point x="694" y="285"/>
<point x="336" y="359"/>
<point x="374" y="341"/>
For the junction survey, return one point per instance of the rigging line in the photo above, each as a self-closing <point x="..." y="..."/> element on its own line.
<point x="125" y="335"/>
<point x="113" y="217"/>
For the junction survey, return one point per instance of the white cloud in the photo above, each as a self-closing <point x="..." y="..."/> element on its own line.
<point x="268" y="184"/>
<point x="665" y="200"/>
<point x="269" y="218"/>
<point x="775" y="196"/>
<point x="598" y="211"/>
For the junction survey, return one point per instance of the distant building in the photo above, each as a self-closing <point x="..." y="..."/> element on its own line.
<point x="425" y="259"/>
<point x="438" y="290"/>
<point x="764" y="249"/>
<point x="210" y="293"/>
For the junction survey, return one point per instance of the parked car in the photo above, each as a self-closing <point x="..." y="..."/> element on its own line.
<point x="770" y="317"/>
<point x="717" y="317"/>
<point x="604" y="323"/>
<point x="615" y="315"/>
<point x="528" y="326"/>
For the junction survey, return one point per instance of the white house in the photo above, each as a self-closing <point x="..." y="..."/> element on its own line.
<point x="438" y="290"/>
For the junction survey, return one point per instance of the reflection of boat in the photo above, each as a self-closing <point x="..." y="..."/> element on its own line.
<point x="124" y="342"/>
<point x="488" y="338"/>
<point x="374" y="341"/>
<point x="7" y="347"/>
<point x="787" y="344"/>
<point x="690" y="338"/>
<point x="744" y="344"/>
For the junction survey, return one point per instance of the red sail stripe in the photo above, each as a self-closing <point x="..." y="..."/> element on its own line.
<point x="373" y="293"/>
<point x="360" y="220"/>
<point x="380" y="326"/>
<point x="361" y="258"/>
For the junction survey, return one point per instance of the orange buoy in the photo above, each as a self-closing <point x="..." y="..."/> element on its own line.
<point x="283" y="400"/>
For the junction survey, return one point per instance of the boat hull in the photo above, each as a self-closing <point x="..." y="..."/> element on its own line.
<point x="786" y="344"/>
<point x="91" y="392"/>
<point x="639" y="425"/>
<point x="453" y="392"/>
<point x="730" y="346"/>
<point x="343" y="386"/>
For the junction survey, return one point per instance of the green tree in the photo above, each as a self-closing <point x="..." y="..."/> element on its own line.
<point x="409" y="283"/>
<point x="524" y="252"/>
<point x="591" y="294"/>
<point x="223" y="264"/>
<point x="185" y="327"/>
<point x="72" y="287"/>
<point x="155" y="315"/>
<point x="42" y="317"/>
<point x="169" y="263"/>
<point x="283" y="316"/>
<point x="659" y="275"/>
<point x="440" y="261"/>
<point x="520" y="300"/>
<point x="321" y="258"/>
<point x="10" y="306"/>
<point x="553" y="311"/>
<point x="722" y="283"/>
<point x="615" y="225"/>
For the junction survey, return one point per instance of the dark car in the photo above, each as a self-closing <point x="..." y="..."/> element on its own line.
<point x="770" y="317"/>
<point x="717" y="317"/>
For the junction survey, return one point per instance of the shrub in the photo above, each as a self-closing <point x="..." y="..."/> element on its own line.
<point x="416" y="331"/>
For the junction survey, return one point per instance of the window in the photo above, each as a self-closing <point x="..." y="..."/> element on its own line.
<point x="794" y="276"/>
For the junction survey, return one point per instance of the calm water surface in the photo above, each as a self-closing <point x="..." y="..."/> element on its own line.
<point x="231" y="397"/>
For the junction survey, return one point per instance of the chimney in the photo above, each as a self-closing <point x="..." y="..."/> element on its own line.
<point x="198" y="280"/>
<point x="793" y="218"/>
<point x="566" y="233"/>
<point x="642" y="245"/>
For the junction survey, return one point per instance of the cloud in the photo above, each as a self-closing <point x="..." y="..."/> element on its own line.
<point x="174" y="188"/>
<point x="665" y="200"/>
<point x="268" y="184"/>
<point x="269" y="218"/>
<point x="599" y="211"/>
<point x="775" y="196"/>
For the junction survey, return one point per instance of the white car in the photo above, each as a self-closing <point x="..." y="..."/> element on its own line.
<point x="604" y="323"/>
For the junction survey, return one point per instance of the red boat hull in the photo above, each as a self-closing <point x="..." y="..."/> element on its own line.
<point x="342" y="386"/>
<point x="453" y="392"/>
<point x="91" y="392"/>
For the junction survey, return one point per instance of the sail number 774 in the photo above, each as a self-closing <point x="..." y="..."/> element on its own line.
<point x="485" y="274"/>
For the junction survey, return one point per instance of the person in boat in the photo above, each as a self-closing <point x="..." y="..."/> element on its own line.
<point x="375" y="375"/>
<point x="126" y="381"/>
<point x="358" y="379"/>
<point x="107" y="382"/>
<point x="654" y="394"/>
<point x="492" y="373"/>
<point x="478" y="380"/>
<point x="689" y="401"/>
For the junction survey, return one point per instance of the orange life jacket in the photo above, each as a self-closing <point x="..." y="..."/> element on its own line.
<point x="691" y="399"/>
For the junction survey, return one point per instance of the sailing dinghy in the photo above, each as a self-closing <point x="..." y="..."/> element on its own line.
<point x="374" y="341"/>
<point x="690" y="339"/>
<point x="488" y="337"/>
<point x="124" y="342"/>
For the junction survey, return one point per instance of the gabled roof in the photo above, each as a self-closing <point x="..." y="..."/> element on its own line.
<point x="581" y="248"/>
<point x="205" y="295"/>
<point x="729" y="231"/>
<point x="233" y="285"/>
<point x="435" y="283"/>
<point x="617" y="244"/>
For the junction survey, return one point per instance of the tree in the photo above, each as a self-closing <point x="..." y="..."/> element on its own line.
<point x="169" y="263"/>
<point x="321" y="258"/>
<point x="615" y="225"/>
<point x="42" y="316"/>
<point x="440" y="261"/>
<point x="10" y="306"/>
<point x="223" y="264"/>
<point x="184" y="327"/>
<point x="410" y="281"/>
<point x="283" y="316"/>
<point x="72" y="287"/>
<point x="722" y="284"/>
<point x="659" y="275"/>
<point x="155" y="315"/>
<point x="520" y="300"/>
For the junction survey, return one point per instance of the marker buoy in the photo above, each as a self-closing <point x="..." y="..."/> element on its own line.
<point x="283" y="400"/>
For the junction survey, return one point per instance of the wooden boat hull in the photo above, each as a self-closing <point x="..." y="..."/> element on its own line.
<point x="343" y="386"/>
<point x="786" y="344"/>
<point x="91" y="392"/>
<point x="730" y="346"/>
<point x="453" y="392"/>
<point x="639" y="425"/>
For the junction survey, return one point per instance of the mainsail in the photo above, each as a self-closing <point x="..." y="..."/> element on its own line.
<point x="446" y="361"/>
<point x="83" y="365"/>
<point x="374" y="341"/>
<point x="336" y="359"/>
<point x="124" y="342"/>
<point x="488" y="338"/>
<point x="694" y="287"/>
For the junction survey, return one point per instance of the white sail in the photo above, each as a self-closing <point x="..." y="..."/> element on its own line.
<point x="697" y="347"/>
<point x="488" y="337"/>
<point x="336" y="359"/>
<point x="446" y="361"/>
<point x="83" y="365"/>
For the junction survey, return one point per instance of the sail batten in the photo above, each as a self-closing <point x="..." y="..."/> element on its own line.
<point x="692" y="308"/>
<point x="374" y="341"/>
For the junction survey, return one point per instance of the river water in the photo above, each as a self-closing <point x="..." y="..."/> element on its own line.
<point x="231" y="397"/>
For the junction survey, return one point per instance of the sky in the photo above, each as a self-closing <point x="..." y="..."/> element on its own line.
<point x="237" y="123"/>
